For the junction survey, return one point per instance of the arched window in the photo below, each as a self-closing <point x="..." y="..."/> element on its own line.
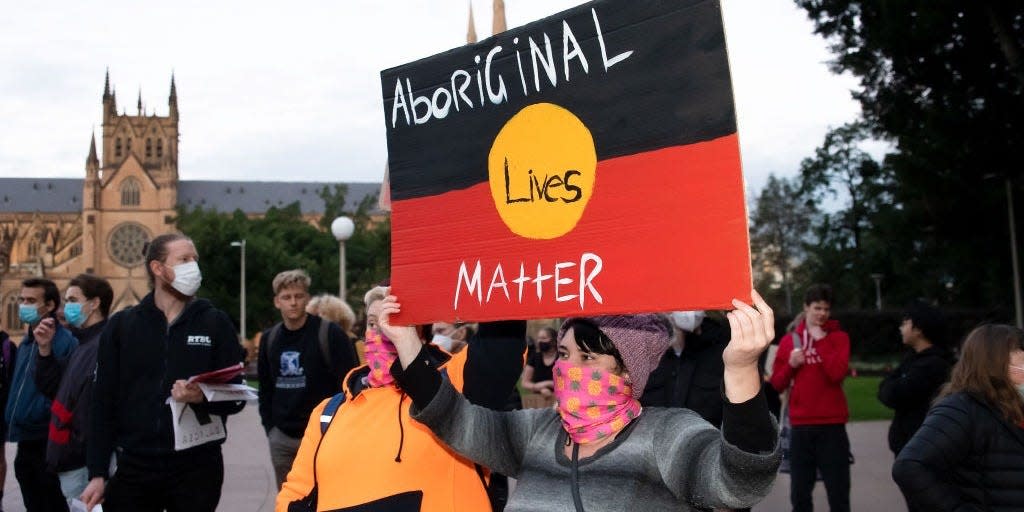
<point x="76" y="250"/>
<point x="128" y="145"/>
<point x="33" y="247"/>
<point x="130" y="192"/>
<point x="159" y="148"/>
<point x="117" y="147"/>
<point x="11" y="320"/>
<point x="149" y="148"/>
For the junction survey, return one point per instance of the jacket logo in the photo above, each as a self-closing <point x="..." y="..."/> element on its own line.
<point x="199" y="341"/>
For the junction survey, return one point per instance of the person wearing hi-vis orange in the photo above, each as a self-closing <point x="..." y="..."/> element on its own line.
<point x="362" y="449"/>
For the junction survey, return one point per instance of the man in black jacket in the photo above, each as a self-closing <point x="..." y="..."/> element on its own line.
<point x="910" y="389"/>
<point x="146" y="353"/>
<point x="690" y="373"/>
<point x="302" y="360"/>
<point x="68" y="383"/>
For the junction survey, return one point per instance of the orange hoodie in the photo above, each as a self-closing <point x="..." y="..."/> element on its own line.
<point x="374" y="450"/>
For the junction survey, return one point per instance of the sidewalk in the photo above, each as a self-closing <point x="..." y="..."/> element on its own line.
<point x="249" y="478"/>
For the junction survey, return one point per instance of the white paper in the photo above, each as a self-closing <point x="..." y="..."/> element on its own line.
<point x="78" y="506"/>
<point x="187" y="430"/>
<point x="227" y="392"/>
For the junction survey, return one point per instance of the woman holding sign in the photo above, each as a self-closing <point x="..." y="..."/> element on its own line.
<point x="599" y="443"/>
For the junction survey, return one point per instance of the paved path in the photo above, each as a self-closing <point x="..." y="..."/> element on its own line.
<point x="249" y="478"/>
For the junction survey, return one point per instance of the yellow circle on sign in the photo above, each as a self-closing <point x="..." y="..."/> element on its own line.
<point x="541" y="169"/>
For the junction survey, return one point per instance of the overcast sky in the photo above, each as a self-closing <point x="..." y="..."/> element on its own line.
<point x="291" y="91"/>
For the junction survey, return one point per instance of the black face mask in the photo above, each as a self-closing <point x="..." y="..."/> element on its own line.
<point x="544" y="346"/>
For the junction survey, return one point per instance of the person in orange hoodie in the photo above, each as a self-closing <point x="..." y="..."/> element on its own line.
<point x="374" y="456"/>
<point x="815" y="359"/>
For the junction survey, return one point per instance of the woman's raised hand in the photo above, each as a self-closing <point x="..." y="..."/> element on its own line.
<point x="405" y="338"/>
<point x="753" y="329"/>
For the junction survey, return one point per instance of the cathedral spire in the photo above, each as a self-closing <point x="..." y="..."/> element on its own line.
<point x="172" y="100"/>
<point x="92" y="160"/>
<point x="471" y="31"/>
<point x="106" y="85"/>
<point x="139" y="106"/>
<point x="499" y="25"/>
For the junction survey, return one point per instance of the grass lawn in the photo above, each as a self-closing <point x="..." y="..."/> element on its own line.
<point x="862" y="396"/>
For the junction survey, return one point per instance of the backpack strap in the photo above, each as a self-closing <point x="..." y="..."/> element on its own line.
<point x="329" y="411"/>
<point x="325" y="347"/>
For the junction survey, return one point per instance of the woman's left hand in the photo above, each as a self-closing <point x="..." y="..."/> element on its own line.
<point x="405" y="338"/>
<point x="752" y="331"/>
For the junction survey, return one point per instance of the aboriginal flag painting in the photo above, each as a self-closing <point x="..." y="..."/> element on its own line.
<point x="584" y="164"/>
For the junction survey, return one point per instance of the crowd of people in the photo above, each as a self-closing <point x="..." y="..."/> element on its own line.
<point x="646" y="411"/>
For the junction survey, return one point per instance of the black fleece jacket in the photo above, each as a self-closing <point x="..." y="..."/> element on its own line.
<point x="140" y="357"/>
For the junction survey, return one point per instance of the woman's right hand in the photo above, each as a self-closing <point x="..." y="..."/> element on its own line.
<point x="93" y="493"/>
<point x="405" y="338"/>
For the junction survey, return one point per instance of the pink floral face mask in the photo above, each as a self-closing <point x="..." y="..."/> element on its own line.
<point x="594" y="403"/>
<point x="380" y="355"/>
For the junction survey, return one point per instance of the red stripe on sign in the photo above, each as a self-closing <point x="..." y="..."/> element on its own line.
<point x="682" y="205"/>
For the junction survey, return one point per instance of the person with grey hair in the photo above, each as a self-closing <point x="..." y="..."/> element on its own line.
<point x="302" y="360"/>
<point x="600" y="450"/>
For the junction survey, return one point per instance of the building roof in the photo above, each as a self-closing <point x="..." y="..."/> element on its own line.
<point x="64" y="195"/>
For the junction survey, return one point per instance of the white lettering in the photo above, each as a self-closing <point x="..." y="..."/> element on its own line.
<point x="586" y="283"/>
<point x="549" y="64"/>
<point x="521" y="280"/>
<point x="417" y="100"/>
<point x="496" y="283"/>
<point x="467" y="78"/>
<point x="441" y="113"/>
<point x="608" y="63"/>
<point x="399" y="100"/>
<point x="576" y="52"/>
<point x="501" y="95"/>
<point x="538" y="280"/>
<point x="560" y="281"/>
<point x="471" y="283"/>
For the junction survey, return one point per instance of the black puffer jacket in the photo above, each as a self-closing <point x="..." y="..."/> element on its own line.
<point x="910" y="389"/>
<point x="964" y="457"/>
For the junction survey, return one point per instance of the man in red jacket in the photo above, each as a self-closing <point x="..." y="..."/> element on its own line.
<point x="814" y="360"/>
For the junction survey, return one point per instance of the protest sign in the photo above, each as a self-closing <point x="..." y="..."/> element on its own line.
<point x="584" y="164"/>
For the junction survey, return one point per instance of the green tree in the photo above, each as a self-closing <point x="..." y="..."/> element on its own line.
<point x="942" y="80"/>
<point x="779" y="231"/>
<point x="280" y="240"/>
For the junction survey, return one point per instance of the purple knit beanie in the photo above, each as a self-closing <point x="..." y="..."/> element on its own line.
<point x="640" y="339"/>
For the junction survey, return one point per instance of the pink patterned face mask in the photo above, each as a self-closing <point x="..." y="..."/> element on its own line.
<point x="380" y="355"/>
<point x="594" y="403"/>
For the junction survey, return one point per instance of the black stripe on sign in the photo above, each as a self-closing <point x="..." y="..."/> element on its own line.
<point x="673" y="89"/>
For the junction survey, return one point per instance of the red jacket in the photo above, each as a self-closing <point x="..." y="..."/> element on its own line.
<point x="817" y="396"/>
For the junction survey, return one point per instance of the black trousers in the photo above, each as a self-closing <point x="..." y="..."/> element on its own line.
<point x="824" y="448"/>
<point x="188" y="481"/>
<point x="40" y="488"/>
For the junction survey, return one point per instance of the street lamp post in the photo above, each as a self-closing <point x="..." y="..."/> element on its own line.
<point x="878" y="290"/>
<point x="241" y="315"/>
<point x="342" y="228"/>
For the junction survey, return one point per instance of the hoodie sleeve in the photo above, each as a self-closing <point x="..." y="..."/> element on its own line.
<point x="914" y="384"/>
<point x="102" y="414"/>
<point x="494" y="362"/>
<point x="782" y="372"/>
<point x="228" y="351"/>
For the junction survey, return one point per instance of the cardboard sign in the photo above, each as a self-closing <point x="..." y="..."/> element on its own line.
<point x="584" y="164"/>
<point x="190" y="430"/>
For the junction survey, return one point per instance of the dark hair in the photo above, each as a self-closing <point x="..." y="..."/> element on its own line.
<point x="930" y="321"/>
<point x="982" y="369"/>
<point x="817" y="293"/>
<point x="94" y="286"/>
<point x="156" y="250"/>
<point x="591" y="340"/>
<point x="50" y="291"/>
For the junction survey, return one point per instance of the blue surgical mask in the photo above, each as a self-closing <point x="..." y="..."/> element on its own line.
<point x="73" y="314"/>
<point x="28" y="313"/>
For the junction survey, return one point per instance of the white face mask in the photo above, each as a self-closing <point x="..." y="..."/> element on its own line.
<point x="443" y="341"/>
<point x="687" y="320"/>
<point x="187" y="278"/>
